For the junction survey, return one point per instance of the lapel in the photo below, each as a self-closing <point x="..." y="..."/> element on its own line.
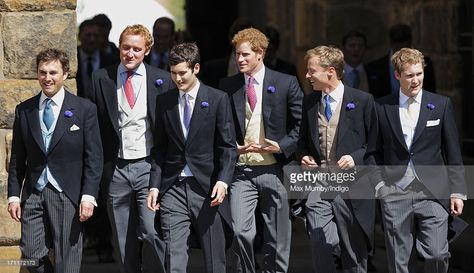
<point x="424" y="115"/>
<point x="109" y="95"/>
<point x="173" y="112"/>
<point x="344" y="119"/>
<point x="267" y="97"/>
<point x="151" y="92"/>
<point x="393" y="114"/>
<point x="62" y="123"/>
<point x="313" y="121"/>
<point x="238" y="98"/>
<point x="34" y="123"/>
<point x="199" y="113"/>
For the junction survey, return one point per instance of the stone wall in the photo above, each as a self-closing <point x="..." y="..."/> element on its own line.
<point x="27" y="27"/>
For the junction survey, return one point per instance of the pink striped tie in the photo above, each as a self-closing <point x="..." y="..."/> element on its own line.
<point x="251" y="95"/>
<point x="129" y="94"/>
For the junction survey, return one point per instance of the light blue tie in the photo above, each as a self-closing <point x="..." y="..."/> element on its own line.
<point x="48" y="116"/>
<point x="187" y="111"/>
<point x="327" y="110"/>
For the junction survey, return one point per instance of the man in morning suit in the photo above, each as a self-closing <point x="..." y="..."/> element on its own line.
<point x="334" y="133"/>
<point x="196" y="154"/>
<point x="55" y="164"/>
<point x="125" y="95"/>
<point x="266" y="107"/>
<point x="422" y="173"/>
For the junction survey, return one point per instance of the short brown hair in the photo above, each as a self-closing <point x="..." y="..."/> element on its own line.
<point x="255" y="37"/>
<point x="407" y="56"/>
<point x="329" y="56"/>
<point x="184" y="52"/>
<point x="53" y="54"/>
<point x="138" y="30"/>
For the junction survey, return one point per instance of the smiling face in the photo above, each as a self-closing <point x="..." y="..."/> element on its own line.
<point x="51" y="77"/>
<point x="132" y="51"/>
<point x="319" y="77"/>
<point x="249" y="61"/>
<point x="411" y="78"/>
<point x="183" y="76"/>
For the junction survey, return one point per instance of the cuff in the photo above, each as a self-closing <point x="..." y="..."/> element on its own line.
<point x="154" y="189"/>
<point x="12" y="199"/>
<point x="377" y="187"/>
<point x="89" y="198"/>
<point x="459" y="195"/>
<point x="223" y="184"/>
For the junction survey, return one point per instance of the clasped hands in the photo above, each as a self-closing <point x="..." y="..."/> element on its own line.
<point x="269" y="146"/>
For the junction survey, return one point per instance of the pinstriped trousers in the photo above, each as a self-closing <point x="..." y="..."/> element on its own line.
<point x="414" y="223"/>
<point x="51" y="220"/>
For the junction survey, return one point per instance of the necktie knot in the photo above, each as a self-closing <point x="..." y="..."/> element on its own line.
<point x="251" y="94"/>
<point x="327" y="107"/>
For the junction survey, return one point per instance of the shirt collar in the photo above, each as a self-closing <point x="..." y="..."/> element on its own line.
<point x="193" y="92"/>
<point x="258" y="77"/>
<point x="336" y="94"/>
<point x="140" y="70"/>
<point x="403" y="99"/>
<point x="58" y="98"/>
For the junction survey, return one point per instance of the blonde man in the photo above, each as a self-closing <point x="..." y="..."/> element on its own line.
<point x="125" y="95"/>
<point x="422" y="182"/>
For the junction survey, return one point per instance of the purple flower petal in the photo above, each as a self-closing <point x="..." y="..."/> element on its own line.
<point x="159" y="82"/>
<point x="350" y="106"/>
<point x="68" y="113"/>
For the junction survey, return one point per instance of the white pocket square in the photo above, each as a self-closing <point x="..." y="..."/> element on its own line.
<point x="74" y="128"/>
<point x="430" y="123"/>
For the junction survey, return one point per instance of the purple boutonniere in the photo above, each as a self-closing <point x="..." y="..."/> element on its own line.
<point x="350" y="106"/>
<point x="271" y="89"/>
<point x="159" y="82"/>
<point x="204" y="104"/>
<point x="430" y="106"/>
<point x="68" y="114"/>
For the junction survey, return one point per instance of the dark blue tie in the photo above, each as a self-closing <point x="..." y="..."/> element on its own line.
<point x="48" y="116"/>
<point x="327" y="108"/>
<point x="355" y="78"/>
<point x="187" y="111"/>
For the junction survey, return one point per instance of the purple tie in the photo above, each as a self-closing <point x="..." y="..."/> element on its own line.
<point x="251" y="95"/>
<point x="187" y="111"/>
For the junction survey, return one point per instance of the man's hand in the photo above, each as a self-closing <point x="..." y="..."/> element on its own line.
<point x="308" y="162"/>
<point x="86" y="209"/>
<point x="456" y="206"/>
<point x="152" y="200"/>
<point x="243" y="149"/>
<point x="218" y="193"/>
<point x="346" y="162"/>
<point x="270" y="146"/>
<point x="15" y="210"/>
